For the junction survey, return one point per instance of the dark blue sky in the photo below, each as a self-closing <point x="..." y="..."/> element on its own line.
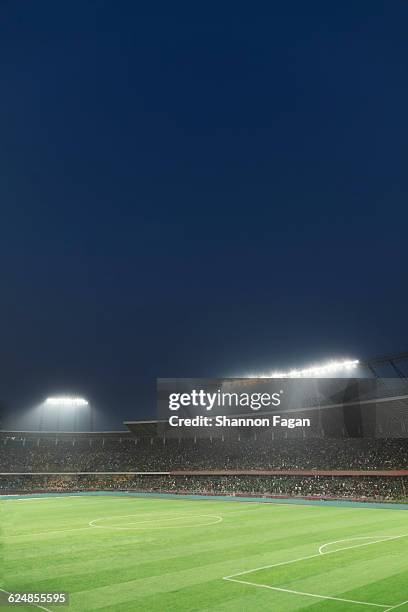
<point x="198" y="190"/>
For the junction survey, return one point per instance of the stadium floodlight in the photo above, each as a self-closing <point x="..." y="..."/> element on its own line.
<point x="331" y="368"/>
<point x="66" y="401"/>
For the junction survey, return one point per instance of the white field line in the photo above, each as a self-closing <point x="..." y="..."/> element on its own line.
<point x="232" y="577"/>
<point x="29" y="604"/>
<point x="266" y="586"/>
<point x="46" y="498"/>
<point x="258" y="569"/>
<point x="218" y="519"/>
<point x="376" y="538"/>
<point x="39" y="533"/>
<point x="52" y="531"/>
<point x="397" y="606"/>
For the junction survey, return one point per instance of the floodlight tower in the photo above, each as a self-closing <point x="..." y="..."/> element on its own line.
<point x="64" y="403"/>
<point x="328" y="369"/>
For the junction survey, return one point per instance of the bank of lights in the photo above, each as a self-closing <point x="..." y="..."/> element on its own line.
<point x="66" y="401"/>
<point x="331" y="367"/>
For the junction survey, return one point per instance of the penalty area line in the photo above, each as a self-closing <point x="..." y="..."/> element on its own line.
<point x="292" y="592"/>
<point x="397" y="606"/>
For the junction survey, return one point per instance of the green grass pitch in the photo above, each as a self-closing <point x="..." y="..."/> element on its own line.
<point x="125" y="553"/>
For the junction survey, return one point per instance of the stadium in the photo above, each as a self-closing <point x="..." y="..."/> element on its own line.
<point x="147" y="519"/>
<point x="203" y="236"/>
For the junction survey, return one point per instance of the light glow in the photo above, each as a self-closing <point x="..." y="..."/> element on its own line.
<point x="329" y="368"/>
<point x="66" y="401"/>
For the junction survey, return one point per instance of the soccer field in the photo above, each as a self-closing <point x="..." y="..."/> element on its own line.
<point x="127" y="553"/>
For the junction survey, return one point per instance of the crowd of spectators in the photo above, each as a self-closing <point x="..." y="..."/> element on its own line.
<point x="21" y="458"/>
<point x="157" y="454"/>
<point x="350" y="487"/>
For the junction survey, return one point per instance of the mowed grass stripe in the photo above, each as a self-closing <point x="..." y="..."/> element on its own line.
<point x="207" y="598"/>
<point x="351" y="576"/>
<point x="253" y="540"/>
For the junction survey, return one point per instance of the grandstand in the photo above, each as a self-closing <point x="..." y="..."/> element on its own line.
<point x="356" y="450"/>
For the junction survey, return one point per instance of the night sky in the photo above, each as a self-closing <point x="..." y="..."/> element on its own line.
<point x="197" y="190"/>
